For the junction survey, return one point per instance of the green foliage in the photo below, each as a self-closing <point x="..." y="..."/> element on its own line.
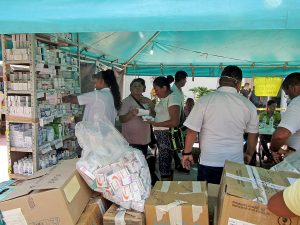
<point x="200" y="91"/>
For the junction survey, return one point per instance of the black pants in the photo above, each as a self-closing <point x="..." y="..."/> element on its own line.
<point x="264" y="140"/>
<point x="209" y="174"/>
<point x="143" y="148"/>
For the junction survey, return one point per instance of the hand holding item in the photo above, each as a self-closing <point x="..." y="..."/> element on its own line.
<point x="187" y="161"/>
<point x="134" y="112"/>
<point x="247" y="158"/>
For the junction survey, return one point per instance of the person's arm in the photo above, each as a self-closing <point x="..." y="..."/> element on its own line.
<point x="128" y="116"/>
<point x="187" y="158"/>
<point x="279" y="138"/>
<point x="277" y="206"/>
<point x="251" y="147"/>
<point x="174" y="112"/>
<point x="70" y="99"/>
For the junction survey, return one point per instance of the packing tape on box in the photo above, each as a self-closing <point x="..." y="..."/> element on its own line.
<point x="196" y="186"/>
<point x="101" y="206"/>
<point x="263" y="196"/>
<point x="165" y="186"/>
<point x="174" y="210"/>
<point x="120" y="217"/>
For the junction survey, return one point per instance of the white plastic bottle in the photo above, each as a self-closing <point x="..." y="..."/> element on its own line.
<point x="30" y="168"/>
<point x="16" y="168"/>
<point x="20" y="166"/>
<point x="25" y="167"/>
<point x="42" y="164"/>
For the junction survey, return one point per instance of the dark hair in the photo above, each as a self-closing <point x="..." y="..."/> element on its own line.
<point x="109" y="78"/>
<point x="163" y="81"/>
<point x="189" y="100"/>
<point x="139" y="80"/>
<point x="232" y="72"/>
<point x="180" y="75"/>
<point x="271" y="102"/>
<point x="291" y="80"/>
<point x="246" y="84"/>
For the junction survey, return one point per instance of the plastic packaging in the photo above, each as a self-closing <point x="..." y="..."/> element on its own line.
<point x="110" y="166"/>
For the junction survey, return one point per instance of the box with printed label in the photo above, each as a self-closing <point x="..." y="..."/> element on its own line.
<point x="94" y="211"/>
<point x="177" y="202"/>
<point x="59" y="196"/>
<point x="244" y="194"/>
<point x="118" y="215"/>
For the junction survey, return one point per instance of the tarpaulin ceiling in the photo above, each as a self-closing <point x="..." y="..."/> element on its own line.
<point x="199" y="36"/>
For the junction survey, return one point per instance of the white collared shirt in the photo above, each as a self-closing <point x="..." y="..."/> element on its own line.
<point x="222" y="117"/>
<point x="290" y="120"/>
<point x="99" y="104"/>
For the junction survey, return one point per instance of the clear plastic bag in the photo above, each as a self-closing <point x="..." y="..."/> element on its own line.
<point x="110" y="166"/>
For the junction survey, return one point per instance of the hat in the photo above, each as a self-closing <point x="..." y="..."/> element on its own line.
<point x="232" y="72"/>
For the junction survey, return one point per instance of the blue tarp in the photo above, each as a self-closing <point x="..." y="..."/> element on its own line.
<point x="260" y="35"/>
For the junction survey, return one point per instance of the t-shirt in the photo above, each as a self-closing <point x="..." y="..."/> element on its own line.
<point x="290" y="120"/>
<point x="291" y="196"/>
<point x="245" y="92"/>
<point x="135" y="131"/>
<point x="179" y="94"/>
<point x="99" y="104"/>
<point x="276" y="116"/>
<point x="222" y="117"/>
<point x="162" y="109"/>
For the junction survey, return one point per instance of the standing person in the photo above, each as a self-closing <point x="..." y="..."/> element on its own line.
<point x="167" y="115"/>
<point x="254" y="99"/>
<point x="221" y="117"/>
<point x="246" y="90"/>
<point x="180" y="81"/>
<point x="103" y="102"/>
<point x="189" y="104"/>
<point x="286" y="203"/>
<point x="265" y="117"/>
<point x="288" y="130"/>
<point x="136" y="131"/>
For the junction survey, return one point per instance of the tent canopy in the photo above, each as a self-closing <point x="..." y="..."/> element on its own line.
<point x="198" y="36"/>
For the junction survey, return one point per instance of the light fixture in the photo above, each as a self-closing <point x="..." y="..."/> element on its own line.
<point x="151" y="50"/>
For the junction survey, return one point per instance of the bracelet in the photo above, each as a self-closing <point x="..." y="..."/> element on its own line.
<point x="184" y="153"/>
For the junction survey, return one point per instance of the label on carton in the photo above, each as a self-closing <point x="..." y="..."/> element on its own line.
<point x="232" y="221"/>
<point x="72" y="188"/>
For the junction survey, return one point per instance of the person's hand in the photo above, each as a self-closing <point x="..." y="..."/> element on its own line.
<point x="149" y="121"/>
<point x="187" y="161"/>
<point x="277" y="156"/>
<point x="147" y="101"/>
<point x="247" y="158"/>
<point x="133" y="112"/>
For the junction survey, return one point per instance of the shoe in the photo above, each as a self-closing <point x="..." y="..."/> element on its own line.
<point x="181" y="169"/>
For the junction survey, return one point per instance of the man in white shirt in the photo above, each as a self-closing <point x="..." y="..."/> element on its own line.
<point x="180" y="81"/>
<point x="288" y="131"/>
<point x="221" y="118"/>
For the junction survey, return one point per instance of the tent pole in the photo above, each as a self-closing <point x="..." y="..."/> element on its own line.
<point x="142" y="48"/>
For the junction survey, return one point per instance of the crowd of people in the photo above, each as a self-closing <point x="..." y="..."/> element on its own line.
<point x="218" y="120"/>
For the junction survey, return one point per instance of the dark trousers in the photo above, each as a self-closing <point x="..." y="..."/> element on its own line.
<point x="264" y="140"/>
<point x="177" y="160"/>
<point x="209" y="174"/>
<point x="143" y="148"/>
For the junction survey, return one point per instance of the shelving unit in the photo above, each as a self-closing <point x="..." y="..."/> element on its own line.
<point x="45" y="64"/>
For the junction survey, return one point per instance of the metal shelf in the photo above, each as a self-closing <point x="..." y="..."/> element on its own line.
<point x="60" y="42"/>
<point x="19" y="92"/>
<point x="17" y="119"/>
<point x="16" y="149"/>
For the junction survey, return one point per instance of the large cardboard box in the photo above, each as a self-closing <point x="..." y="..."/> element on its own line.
<point x="117" y="215"/>
<point x="245" y="191"/>
<point x="177" y="202"/>
<point x="94" y="211"/>
<point x="59" y="197"/>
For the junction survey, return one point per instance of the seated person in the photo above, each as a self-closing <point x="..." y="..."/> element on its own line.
<point x="266" y="115"/>
<point x="286" y="203"/>
<point x="189" y="104"/>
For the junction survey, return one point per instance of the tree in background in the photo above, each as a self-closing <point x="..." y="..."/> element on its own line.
<point x="200" y="91"/>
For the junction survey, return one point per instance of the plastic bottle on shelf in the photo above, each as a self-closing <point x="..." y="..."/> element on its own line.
<point x="42" y="164"/>
<point x="25" y="167"/>
<point x="16" y="168"/>
<point x="30" y="168"/>
<point x="54" y="159"/>
<point x="20" y="166"/>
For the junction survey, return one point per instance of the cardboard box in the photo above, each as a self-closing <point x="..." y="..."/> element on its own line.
<point x="59" y="197"/>
<point x="94" y="211"/>
<point x="177" y="202"/>
<point x="289" y="163"/>
<point x="213" y="193"/>
<point x="245" y="191"/>
<point x="117" y="215"/>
